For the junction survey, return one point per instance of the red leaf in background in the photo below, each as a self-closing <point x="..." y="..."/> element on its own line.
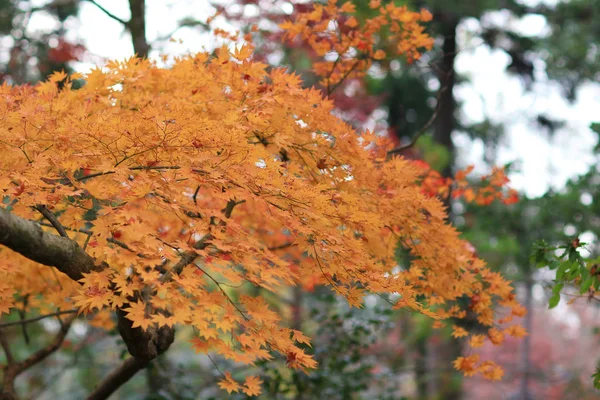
<point x="64" y="52"/>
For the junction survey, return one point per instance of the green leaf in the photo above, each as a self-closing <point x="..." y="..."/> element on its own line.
<point x="552" y="264"/>
<point x="586" y="284"/>
<point x="557" y="288"/>
<point x="563" y="268"/>
<point x="574" y="255"/>
<point x="596" y="377"/>
<point x="554" y="300"/>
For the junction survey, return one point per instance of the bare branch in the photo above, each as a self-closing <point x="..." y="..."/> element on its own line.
<point x="424" y="128"/>
<point x="189" y="257"/>
<point x="44" y="352"/>
<point x="42" y="223"/>
<point x="13" y="369"/>
<point x="138" y="168"/>
<point x="230" y="206"/>
<point x="38" y="318"/>
<point x="225" y="293"/>
<point x="346" y="75"/>
<point x="5" y="346"/>
<point x="281" y="246"/>
<point x="117" y="378"/>
<point x="109" y="14"/>
<point x="137" y="27"/>
<point x="125" y="246"/>
<point x="52" y="218"/>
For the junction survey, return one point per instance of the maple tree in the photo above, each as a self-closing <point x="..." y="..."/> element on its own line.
<point x="162" y="194"/>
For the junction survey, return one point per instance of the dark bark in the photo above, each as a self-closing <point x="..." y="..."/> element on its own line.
<point x="28" y="239"/>
<point x="144" y="344"/>
<point x="421" y="369"/>
<point x="137" y="27"/>
<point x="13" y="369"/>
<point x="450" y="386"/>
<point x="117" y="378"/>
<point x="445" y="123"/>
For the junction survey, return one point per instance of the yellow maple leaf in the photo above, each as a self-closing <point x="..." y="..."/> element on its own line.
<point x="457" y="331"/>
<point x="227" y="383"/>
<point x="252" y="386"/>
<point x="477" y="341"/>
<point x="136" y="312"/>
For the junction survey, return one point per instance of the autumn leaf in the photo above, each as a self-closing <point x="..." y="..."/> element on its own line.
<point x="458" y="332"/>
<point x="252" y="386"/>
<point x="227" y="383"/>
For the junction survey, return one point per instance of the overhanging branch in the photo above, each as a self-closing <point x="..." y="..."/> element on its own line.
<point x="30" y="240"/>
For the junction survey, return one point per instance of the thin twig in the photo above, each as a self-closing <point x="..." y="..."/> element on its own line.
<point x="44" y="352"/>
<point x="425" y="127"/>
<point x="189" y="257"/>
<point x="137" y="168"/>
<point x="196" y="194"/>
<point x="224" y="293"/>
<point x="346" y="75"/>
<point x="324" y="275"/>
<point x="109" y="14"/>
<point x="281" y="246"/>
<point x="39" y="317"/>
<point x="157" y="167"/>
<point x="125" y="246"/>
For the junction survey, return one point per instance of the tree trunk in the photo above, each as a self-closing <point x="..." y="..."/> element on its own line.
<point x="421" y="369"/>
<point x="137" y="27"/>
<point x="447" y="381"/>
<point x="444" y="124"/>
<point x="525" y="353"/>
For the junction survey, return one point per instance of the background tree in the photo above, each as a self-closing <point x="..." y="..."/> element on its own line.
<point x="30" y="53"/>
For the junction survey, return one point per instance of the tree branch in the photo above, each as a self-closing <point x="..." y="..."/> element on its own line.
<point x="186" y="259"/>
<point x="5" y="346"/>
<point x="38" y="318"/>
<point x="117" y="378"/>
<point x="13" y="369"/>
<point x="137" y="27"/>
<point x="230" y="206"/>
<point x="44" y="352"/>
<point x="424" y="128"/>
<point x="281" y="246"/>
<point x="109" y="14"/>
<point x="52" y="218"/>
<point x="29" y="239"/>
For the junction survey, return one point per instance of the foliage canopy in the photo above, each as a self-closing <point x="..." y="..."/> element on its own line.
<point x="163" y="194"/>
